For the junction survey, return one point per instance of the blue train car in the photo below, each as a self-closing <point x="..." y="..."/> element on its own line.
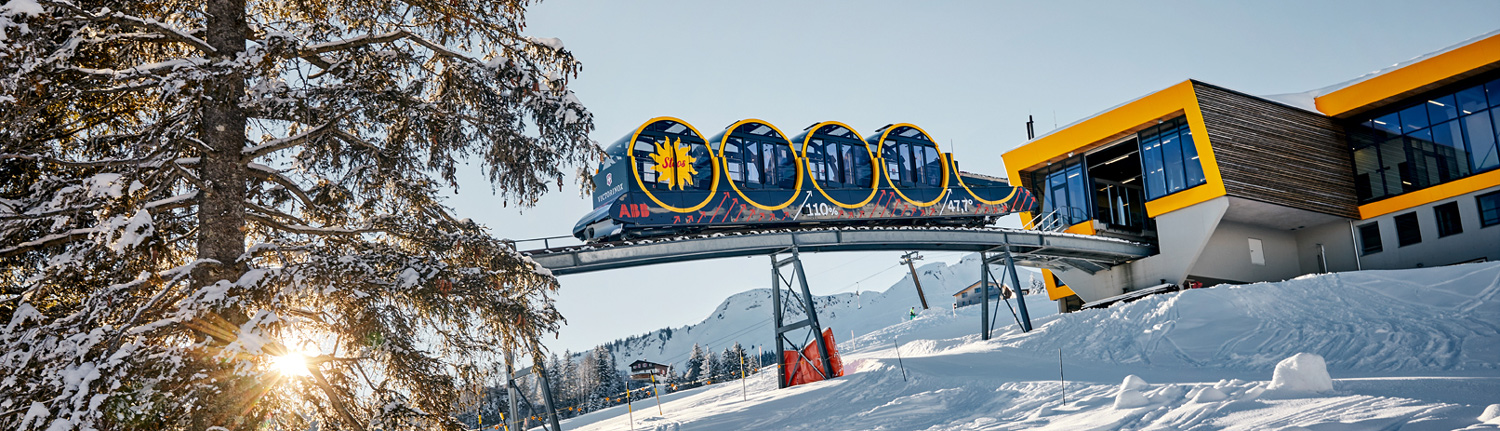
<point x="666" y="178"/>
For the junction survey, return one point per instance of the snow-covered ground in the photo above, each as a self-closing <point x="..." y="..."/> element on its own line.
<point x="1406" y="350"/>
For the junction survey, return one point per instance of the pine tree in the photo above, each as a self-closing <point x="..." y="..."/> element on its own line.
<point x="738" y="364"/>
<point x="693" y="370"/>
<point x="190" y="190"/>
<point x="710" y="367"/>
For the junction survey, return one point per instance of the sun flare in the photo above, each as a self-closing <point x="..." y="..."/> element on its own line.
<point x="292" y="364"/>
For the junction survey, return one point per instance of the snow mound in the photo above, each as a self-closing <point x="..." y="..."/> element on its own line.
<point x="1491" y="414"/>
<point x="1129" y="399"/>
<point x="1303" y="372"/>
<point x="1209" y="394"/>
<point x="1133" y="382"/>
<point x="1365" y="321"/>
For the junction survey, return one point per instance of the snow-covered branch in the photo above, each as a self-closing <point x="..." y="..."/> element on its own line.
<point x="274" y="145"/>
<point x="117" y="17"/>
<point x="47" y="241"/>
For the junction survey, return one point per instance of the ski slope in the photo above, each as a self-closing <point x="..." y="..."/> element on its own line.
<point x="1405" y="350"/>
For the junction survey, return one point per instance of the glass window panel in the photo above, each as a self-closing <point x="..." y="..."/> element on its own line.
<point x="1489" y="209"/>
<point x="1171" y="155"/>
<point x="1449" y="221"/>
<point x="1424" y="166"/>
<point x="1471" y="100"/>
<point x="1190" y="157"/>
<point x="864" y="168"/>
<point x="1480" y="134"/>
<point x="1408" y="230"/>
<point x="1390" y="123"/>
<point x="815" y="164"/>
<point x="786" y="167"/>
<point x="1369" y="238"/>
<point x="752" y="165"/>
<point x="831" y="164"/>
<point x="1442" y="109"/>
<point x="935" y="167"/>
<point x="1156" y="182"/>
<point x="1452" y="155"/>
<point x="1077" y="195"/>
<point x="1393" y="166"/>
<point x="733" y="163"/>
<point x="1493" y="89"/>
<point x="1413" y="119"/>
<point x="703" y="167"/>
<point x="912" y="164"/>
<point x="768" y="164"/>
<point x="1368" y="178"/>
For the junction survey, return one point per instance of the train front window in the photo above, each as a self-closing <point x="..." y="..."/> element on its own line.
<point x="645" y="146"/>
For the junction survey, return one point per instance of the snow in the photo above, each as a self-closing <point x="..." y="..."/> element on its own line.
<point x="1491" y="414"/>
<point x="20" y="7"/>
<point x="1303" y="372"/>
<point x="1412" y="350"/>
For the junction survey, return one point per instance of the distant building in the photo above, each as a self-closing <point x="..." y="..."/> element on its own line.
<point x="643" y="370"/>
<point x="972" y="295"/>
<point x="1395" y="169"/>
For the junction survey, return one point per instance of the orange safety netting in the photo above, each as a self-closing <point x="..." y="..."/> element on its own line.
<point x="806" y="367"/>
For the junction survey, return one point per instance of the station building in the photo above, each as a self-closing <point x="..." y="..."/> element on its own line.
<point x="1395" y="169"/>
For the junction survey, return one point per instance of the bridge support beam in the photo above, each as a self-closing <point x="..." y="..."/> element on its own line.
<point x="809" y="311"/>
<point x="1023" y="319"/>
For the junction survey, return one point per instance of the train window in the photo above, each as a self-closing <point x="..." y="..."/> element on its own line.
<point x="786" y="167"/>
<point x="703" y="167"/>
<point x="815" y="166"/>
<point x="857" y="166"/>
<point x="912" y="164"/>
<point x="733" y="162"/>
<point x="767" y="164"/>
<point x="893" y="165"/>
<point x="752" y="165"/>
<point x="835" y="177"/>
<point x="644" y="148"/>
<point x="934" y="176"/>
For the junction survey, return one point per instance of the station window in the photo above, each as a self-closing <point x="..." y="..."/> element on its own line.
<point x="1408" y="230"/>
<point x="1428" y="142"/>
<point x="1064" y="192"/>
<point x="1369" y="238"/>
<point x="1449" y="222"/>
<point x="1489" y="209"/>
<point x="1169" y="160"/>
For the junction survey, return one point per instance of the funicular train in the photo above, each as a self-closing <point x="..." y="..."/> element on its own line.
<point x="666" y="178"/>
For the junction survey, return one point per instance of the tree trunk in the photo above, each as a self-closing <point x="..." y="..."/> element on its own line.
<point x="221" y="215"/>
<point x="221" y="210"/>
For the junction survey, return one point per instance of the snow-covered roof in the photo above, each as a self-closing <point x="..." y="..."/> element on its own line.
<point x="1414" y="60"/>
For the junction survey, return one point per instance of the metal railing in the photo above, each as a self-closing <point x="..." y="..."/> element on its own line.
<point x="546" y="241"/>
<point x="1057" y="220"/>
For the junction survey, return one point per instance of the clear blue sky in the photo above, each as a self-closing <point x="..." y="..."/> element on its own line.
<point x="967" y="72"/>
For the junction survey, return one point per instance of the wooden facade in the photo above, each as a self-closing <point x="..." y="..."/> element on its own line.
<point x="1278" y="154"/>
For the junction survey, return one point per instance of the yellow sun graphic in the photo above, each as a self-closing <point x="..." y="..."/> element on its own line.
<point x="673" y="164"/>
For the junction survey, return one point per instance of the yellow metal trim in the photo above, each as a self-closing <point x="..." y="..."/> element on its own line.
<point x="795" y="159"/>
<point x="881" y="165"/>
<point x="635" y="168"/>
<point x="1411" y="77"/>
<point x="1085" y="228"/>
<point x="1107" y="126"/>
<point x="875" y="170"/>
<point x="948" y="161"/>
<point x="1055" y="291"/>
<point x="1429" y="195"/>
